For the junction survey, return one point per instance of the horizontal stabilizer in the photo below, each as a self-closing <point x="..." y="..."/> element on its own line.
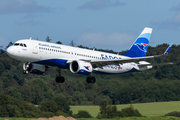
<point x="155" y="64"/>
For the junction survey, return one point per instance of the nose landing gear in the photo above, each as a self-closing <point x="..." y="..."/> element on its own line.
<point x="59" y="79"/>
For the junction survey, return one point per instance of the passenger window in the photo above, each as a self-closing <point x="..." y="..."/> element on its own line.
<point x="25" y="45"/>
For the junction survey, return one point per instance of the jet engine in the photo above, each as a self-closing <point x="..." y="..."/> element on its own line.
<point x="81" y="67"/>
<point x="34" y="68"/>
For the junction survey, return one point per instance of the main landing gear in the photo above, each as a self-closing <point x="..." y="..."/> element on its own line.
<point x="90" y="79"/>
<point x="59" y="79"/>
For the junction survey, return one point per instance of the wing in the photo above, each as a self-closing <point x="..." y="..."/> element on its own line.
<point x="100" y="63"/>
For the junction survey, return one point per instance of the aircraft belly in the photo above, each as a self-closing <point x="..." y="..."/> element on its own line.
<point x="114" y="69"/>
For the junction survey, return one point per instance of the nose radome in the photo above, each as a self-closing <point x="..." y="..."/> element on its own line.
<point x="10" y="50"/>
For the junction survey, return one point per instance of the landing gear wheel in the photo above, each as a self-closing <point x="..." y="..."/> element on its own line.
<point x="25" y="72"/>
<point x="60" y="79"/>
<point x="90" y="79"/>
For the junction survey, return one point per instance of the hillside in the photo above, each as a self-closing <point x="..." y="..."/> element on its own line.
<point x="162" y="83"/>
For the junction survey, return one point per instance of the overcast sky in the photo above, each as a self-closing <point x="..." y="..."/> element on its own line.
<point x="106" y="24"/>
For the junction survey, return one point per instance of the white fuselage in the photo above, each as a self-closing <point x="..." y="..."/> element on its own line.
<point x="58" y="55"/>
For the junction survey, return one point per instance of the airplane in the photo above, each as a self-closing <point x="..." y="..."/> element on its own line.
<point x="39" y="55"/>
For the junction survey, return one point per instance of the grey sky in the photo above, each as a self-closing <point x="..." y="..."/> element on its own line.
<point x="100" y="4"/>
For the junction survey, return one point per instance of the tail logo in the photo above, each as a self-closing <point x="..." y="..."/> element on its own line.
<point x="141" y="46"/>
<point x="119" y="67"/>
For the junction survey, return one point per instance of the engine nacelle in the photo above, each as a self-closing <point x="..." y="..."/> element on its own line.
<point x="81" y="67"/>
<point x="34" y="68"/>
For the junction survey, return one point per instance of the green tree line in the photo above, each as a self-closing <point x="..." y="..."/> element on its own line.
<point x="162" y="83"/>
<point x="12" y="107"/>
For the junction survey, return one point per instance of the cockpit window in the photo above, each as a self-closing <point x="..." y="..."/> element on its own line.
<point x="16" y="44"/>
<point x="20" y="44"/>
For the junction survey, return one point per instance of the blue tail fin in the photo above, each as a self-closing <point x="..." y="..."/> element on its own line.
<point x="139" y="47"/>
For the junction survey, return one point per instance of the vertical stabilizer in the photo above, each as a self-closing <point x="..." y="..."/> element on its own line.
<point x="139" y="47"/>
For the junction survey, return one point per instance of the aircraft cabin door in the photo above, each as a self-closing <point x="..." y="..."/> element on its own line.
<point x="35" y="47"/>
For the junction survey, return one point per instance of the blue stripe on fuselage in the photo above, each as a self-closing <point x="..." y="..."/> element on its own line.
<point x="54" y="62"/>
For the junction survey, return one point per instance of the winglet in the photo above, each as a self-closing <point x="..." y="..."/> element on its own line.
<point x="168" y="49"/>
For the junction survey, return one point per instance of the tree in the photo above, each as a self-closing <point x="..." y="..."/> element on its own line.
<point x="1" y="50"/>
<point x="11" y="107"/>
<point x="48" y="93"/>
<point x="82" y="114"/>
<point x="14" y="93"/>
<point x="129" y="112"/>
<point x="48" y="39"/>
<point x="72" y="43"/>
<point x="2" y="68"/>
<point x="62" y="104"/>
<point x="174" y="113"/>
<point x="10" y="44"/>
<point x="107" y="111"/>
<point x="103" y="106"/>
<point x="59" y="42"/>
<point x="48" y="106"/>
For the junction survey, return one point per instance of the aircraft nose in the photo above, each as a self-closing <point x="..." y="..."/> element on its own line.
<point x="10" y="51"/>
